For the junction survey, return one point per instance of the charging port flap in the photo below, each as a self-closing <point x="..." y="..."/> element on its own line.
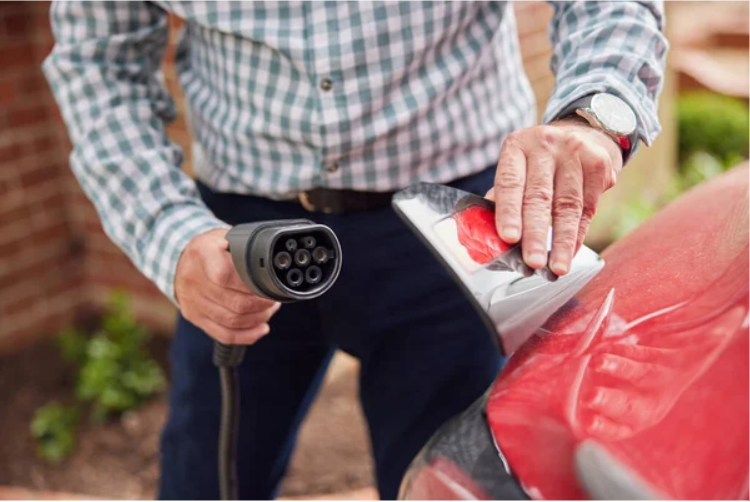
<point x="459" y="228"/>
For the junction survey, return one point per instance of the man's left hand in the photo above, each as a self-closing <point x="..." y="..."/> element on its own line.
<point x="553" y="172"/>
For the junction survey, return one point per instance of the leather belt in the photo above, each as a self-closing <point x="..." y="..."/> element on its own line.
<point x="330" y="201"/>
<point x="326" y="200"/>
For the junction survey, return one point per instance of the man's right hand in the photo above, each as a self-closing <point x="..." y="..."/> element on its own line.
<point x="212" y="296"/>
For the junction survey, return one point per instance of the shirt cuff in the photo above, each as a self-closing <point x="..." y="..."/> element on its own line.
<point x="573" y="89"/>
<point x="176" y="226"/>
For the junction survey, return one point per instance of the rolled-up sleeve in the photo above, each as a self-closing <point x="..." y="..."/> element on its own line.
<point x="615" y="47"/>
<point x="105" y="74"/>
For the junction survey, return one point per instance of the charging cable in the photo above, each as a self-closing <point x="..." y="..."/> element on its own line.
<point x="285" y="261"/>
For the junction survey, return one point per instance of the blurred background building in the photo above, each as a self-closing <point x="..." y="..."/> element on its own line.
<point x="57" y="266"/>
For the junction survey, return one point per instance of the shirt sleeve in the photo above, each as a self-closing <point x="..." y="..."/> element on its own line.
<point x="615" y="47"/>
<point x="105" y="74"/>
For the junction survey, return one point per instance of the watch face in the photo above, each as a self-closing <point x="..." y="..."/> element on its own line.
<point x="614" y="114"/>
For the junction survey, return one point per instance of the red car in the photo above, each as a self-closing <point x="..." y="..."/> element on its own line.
<point x="636" y="387"/>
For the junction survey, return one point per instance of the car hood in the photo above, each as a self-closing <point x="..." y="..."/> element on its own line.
<point x="638" y="386"/>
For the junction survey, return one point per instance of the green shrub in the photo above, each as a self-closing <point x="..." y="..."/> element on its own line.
<point x="713" y="136"/>
<point x="715" y="124"/>
<point x="73" y="346"/>
<point x="115" y="372"/>
<point x="697" y="168"/>
<point x="53" y="429"/>
<point x="632" y="213"/>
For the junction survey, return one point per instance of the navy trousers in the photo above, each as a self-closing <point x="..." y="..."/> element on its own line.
<point x="425" y="356"/>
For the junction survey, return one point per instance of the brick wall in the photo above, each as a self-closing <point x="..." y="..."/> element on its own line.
<point x="55" y="260"/>
<point x="41" y="274"/>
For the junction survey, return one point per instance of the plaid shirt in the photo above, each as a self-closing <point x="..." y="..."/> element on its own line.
<point x="287" y="96"/>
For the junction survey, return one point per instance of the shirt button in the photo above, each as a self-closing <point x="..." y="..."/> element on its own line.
<point x="332" y="167"/>
<point x="326" y="84"/>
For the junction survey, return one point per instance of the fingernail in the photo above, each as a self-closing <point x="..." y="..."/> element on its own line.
<point x="559" y="267"/>
<point x="510" y="234"/>
<point x="536" y="259"/>
<point x="265" y="330"/>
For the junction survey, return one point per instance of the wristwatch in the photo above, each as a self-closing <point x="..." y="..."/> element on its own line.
<point x="609" y="114"/>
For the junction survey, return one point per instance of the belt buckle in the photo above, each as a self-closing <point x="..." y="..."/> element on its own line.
<point x="305" y="201"/>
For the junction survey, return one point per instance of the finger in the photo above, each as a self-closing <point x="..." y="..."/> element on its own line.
<point x="537" y="207"/>
<point x="236" y="301"/>
<point x="596" y="179"/>
<point x="490" y="195"/>
<point x="220" y="270"/>
<point x="583" y="230"/>
<point x="228" y="319"/>
<point x="508" y="192"/>
<point x="591" y="195"/>
<point x="567" y="207"/>
<point x="230" y="336"/>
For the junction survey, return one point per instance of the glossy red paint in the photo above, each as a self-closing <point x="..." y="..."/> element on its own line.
<point x="650" y="360"/>
<point x="476" y="233"/>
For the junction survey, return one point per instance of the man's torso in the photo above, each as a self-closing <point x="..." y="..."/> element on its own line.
<point x="373" y="96"/>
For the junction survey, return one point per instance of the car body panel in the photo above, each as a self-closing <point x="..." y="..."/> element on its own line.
<point x="461" y="462"/>
<point x="649" y="362"/>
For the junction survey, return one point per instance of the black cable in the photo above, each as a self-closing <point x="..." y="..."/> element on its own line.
<point x="258" y="240"/>
<point x="227" y="358"/>
<point x="230" y="415"/>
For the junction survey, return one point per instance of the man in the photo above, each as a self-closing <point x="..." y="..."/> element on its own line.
<point x="337" y="105"/>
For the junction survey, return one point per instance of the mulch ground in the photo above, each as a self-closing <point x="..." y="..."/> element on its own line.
<point x="121" y="459"/>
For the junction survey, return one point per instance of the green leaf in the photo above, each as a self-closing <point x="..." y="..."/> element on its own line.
<point x="115" y="372"/>
<point x="73" y="345"/>
<point x="53" y="429"/>
<point x="118" y="374"/>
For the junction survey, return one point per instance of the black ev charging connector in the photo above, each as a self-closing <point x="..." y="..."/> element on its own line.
<point x="285" y="261"/>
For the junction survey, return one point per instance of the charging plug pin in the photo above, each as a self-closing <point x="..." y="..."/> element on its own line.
<point x="302" y="257"/>
<point x="282" y="260"/>
<point x="309" y="241"/>
<point x="320" y="255"/>
<point x="295" y="277"/>
<point x="313" y="275"/>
